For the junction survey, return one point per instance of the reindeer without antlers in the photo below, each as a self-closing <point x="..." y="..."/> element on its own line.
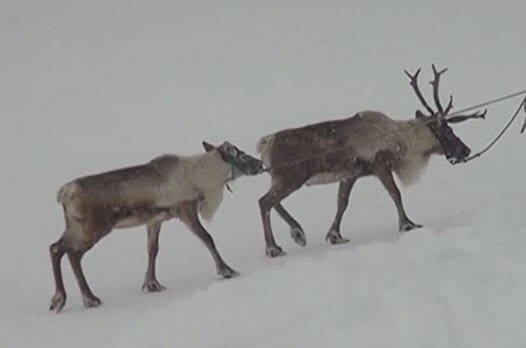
<point x="368" y="143"/>
<point x="169" y="186"/>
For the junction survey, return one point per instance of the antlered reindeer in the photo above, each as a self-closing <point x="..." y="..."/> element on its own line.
<point x="169" y="186"/>
<point x="368" y="143"/>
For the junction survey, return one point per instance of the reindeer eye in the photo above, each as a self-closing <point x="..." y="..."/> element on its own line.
<point x="231" y="150"/>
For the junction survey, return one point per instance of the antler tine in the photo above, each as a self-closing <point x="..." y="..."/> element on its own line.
<point x="414" y="84"/>
<point x="436" y="72"/>
<point x="412" y="77"/>
<point x="449" y="105"/>
<point x="435" y="83"/>
<point x="462" y="118"/>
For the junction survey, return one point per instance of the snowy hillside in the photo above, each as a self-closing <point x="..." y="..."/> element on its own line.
<point x="88" y="87"/>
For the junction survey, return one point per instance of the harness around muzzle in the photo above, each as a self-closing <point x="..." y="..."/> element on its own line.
<point x="245" y="167"/>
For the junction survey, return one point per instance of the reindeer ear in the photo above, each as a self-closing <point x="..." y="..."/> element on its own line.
<point x="419" y="114"/>
<point x="208" y="147"/>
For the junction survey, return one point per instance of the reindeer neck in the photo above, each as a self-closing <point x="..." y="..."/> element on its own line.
<point x="208" y="170"/>
<point x="419" y="138"/>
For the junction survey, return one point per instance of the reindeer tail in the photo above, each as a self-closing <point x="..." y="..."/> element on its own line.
<point x="264" y="146"/>
<point x="65" y="192"/>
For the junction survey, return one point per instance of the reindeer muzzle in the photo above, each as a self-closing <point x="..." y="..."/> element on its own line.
<point x="460" y="155"/>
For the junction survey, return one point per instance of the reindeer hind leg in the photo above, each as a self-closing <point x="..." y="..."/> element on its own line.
<point x="82" y="237"/>
<point x="334" y="236"/>
<point x="89" y="300"/>
<point x="281" y="187"/>
<point x="296" y="231"/>
<point x="56" y="252"/>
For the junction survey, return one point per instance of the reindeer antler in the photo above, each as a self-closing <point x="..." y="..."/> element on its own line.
<point x="414" y="84"/>
<point x="462" y="118"/>
<point x="441" y="111"/>
<point x="435" y="83"/>
<point x="449" y="105"/>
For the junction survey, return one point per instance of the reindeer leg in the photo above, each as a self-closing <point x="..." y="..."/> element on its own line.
<point x="75" y="258"/>
<point x="56" y="251"/>
<point x="151" y="284"/>
<point x="280" y="189"/>
<point x="344" y="191"/>
<point x="188" y="213"/>
<point x="296" y="231"/>
<point x="386" y="177"/>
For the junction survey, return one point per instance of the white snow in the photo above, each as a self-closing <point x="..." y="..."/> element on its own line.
<point x="92" y="86"/>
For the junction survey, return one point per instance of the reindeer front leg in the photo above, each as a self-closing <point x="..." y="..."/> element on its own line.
<point x="283" y="184"/>
<point x="151" y="284"/>
<point x="382" y="169"/>
<point x="189" y="215"/>
<point x="89" y="300"/>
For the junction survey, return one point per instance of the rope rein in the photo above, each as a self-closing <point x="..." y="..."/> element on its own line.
<point x="490" y="102"/>
<point x="522" y="106"/>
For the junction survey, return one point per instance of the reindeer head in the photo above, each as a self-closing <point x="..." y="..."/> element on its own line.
<point x="438" y="121"/>
<point x="242" y="163"/>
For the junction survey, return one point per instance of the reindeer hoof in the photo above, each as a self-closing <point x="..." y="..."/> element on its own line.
<point x="334" y="237"/>
<point x="274" y="251"/>
<point x="408" y="226"/>
<point x="91" y="301"/>
<point x="152" y="285"/>
<point x="298" y="236"/>
<point x="57" y="302"/>
<point x="227" y="272"/>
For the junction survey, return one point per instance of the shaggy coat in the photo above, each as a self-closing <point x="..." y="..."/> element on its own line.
<point x="357" y="139"/>
<point x="143" y="194"/>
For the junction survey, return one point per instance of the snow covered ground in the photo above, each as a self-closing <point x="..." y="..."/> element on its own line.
<point x="87" y="87"/>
